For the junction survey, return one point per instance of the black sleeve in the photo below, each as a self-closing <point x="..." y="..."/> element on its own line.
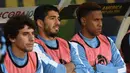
<point x="125" y="48"/>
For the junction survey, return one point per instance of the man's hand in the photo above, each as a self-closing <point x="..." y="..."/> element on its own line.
<point x="70" y="67"/>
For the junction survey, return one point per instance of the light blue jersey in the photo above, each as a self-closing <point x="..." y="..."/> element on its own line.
<point x="49" y="65"/>
<point x="21" y="62"/>
<point x="116" y="64"/>
<point x="55" y="67"/>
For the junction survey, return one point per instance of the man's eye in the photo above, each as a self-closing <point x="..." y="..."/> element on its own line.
<point x="52" y="18"/>
<point x="96" y="19"/>
<point x="25" y="33"/>
<point x="33" y="33"/>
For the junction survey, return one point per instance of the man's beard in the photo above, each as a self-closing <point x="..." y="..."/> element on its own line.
<point x="50" y="34"/>
<point x="53" y="34"/>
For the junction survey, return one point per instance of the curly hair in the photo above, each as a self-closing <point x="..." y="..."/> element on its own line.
<point x="14" y="24"/>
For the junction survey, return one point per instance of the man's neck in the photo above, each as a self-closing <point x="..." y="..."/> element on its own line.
<point x="18" y="52"/>
<point x="87" y="35"/>
<point x="46" y="37"/>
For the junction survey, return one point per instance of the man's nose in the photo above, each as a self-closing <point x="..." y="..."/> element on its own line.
<point x="31" y="37"/>
<point x="58" y="21"/>
<point x="100" y="23"/>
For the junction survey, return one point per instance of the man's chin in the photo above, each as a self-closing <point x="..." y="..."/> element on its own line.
<point x="54" y="34"/>
<point x="29" y="50"/>
<point x="98" y="34"/>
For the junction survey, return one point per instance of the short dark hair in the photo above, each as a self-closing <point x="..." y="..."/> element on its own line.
<point x="85" y="8"/>
<point x="42" y="11"/>
<point x="14" y="24"/>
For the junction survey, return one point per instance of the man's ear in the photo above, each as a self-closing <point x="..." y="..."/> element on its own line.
<point x="40" y="23"/>
<point x="12" y="40"/>
<point x="83" y="21"/>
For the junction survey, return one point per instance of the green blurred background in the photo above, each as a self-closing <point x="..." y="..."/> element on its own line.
<point x="69" y="26"/>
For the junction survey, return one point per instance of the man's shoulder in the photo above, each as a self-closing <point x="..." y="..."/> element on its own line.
<point x="61" y="40"/>
<point x="37" y="47"/>
<point x="75" y="43"/>
<point x="36" y="44"/>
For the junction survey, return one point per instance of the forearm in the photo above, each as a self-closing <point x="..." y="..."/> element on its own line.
<point x="121" y="68"/>
<point x="109" y="69"/>
<point x="79" y="59"/>
<point x="116" y="60"/>
<point x="52" y="69"/>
